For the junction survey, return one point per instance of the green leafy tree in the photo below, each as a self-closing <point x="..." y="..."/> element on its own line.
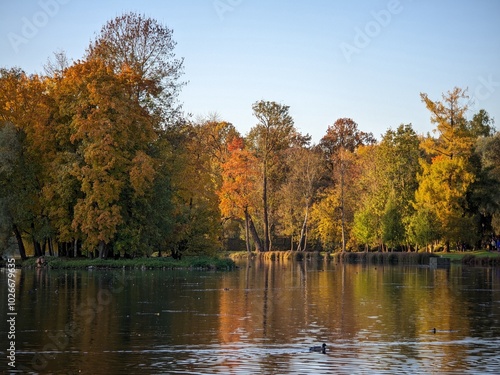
<point x="481" y="125"/>
<point x="397" y="167"/>
<point x="365" y="227"/>
<point x="393" y="231"/>
<point x="16" y="197"/>
<point x="424" y="228"/>
<point x="486" y="192"/>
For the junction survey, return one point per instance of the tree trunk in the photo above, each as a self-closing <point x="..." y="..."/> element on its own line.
<point x="36" y="244"/>
<point x="247" y="229"/>
<point x="75" y="248"/>
<point x="303" y="233"/>
<point x="20" y="244"/>
<point x="103" y="252"/>
<point x="37" y="247"/>
<point x="265" y="208"/>
<point x="255" y="235"/>
<point x="51" y="247"/>
<point x="342" y="214"/>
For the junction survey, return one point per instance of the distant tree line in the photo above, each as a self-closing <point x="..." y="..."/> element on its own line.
<point x="96" y="158"/>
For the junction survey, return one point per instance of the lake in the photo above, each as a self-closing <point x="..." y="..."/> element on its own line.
<point x="260" y="318"/>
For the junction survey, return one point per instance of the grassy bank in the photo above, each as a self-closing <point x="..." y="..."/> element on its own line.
<point x="201" y="263"/>
<point x="227" y="262"/>
<point x="474" y="258"/>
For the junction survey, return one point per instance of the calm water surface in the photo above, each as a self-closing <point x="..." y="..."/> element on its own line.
<point x="260" y="318"/>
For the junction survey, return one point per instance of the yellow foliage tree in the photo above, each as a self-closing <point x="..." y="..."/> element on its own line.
<point x="448" y="175"/>
<point x="111" y="132"/>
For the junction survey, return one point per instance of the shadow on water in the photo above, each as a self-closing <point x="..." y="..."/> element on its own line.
<point x="260" y="318"/>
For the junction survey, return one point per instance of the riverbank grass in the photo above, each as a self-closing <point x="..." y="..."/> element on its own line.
<point x="193" y="263"/>
<point x="473" y="258"/>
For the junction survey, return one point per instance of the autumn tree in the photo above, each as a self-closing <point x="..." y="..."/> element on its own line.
<point x="370" y="190"/>
<point x="239" y="180"/>
<point x="137" y="54"/>
<point x="272" y="135"/>
<point x="442" y="191"/>
<point x="326" y="226"/>
<point x="338" y="145"/>
<point x="195" y="161"/>
<point x="303" y="170"/>
<point x="454" y="138"/>
<point x="91" y="140"/>
<point x="133" y="42"/>
<point x="447" y="173"/>
<point x="112" y="133"/>
<point x="213" y="137"/>
<point x="25" y="113"/>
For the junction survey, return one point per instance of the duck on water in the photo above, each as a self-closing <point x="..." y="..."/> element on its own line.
<point x="321" y="348"/>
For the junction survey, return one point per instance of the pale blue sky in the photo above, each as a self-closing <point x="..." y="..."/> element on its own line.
<point x="367" y="60"/>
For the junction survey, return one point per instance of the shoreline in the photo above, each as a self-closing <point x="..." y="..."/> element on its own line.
<point x="167" y="263"/>
<point x="227" y="260"/>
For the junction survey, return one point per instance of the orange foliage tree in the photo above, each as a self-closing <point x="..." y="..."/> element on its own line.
<point x="111" y="131"/>
<point x="24" y="117"/>
<point x="239" y="181"/>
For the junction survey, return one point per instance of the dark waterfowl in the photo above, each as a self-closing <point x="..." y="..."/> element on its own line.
<point x="321" y="348"/>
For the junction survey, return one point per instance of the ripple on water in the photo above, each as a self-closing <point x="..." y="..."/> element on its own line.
<point x="347" y="357"/>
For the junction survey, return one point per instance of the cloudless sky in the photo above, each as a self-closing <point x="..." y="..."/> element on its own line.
<point x="326" y="59"/>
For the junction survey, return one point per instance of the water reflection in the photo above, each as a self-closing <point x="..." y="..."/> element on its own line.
<point x="260" y="318"/>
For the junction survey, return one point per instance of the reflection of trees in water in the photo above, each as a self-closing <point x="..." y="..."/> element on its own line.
<point x="361" y="312"/>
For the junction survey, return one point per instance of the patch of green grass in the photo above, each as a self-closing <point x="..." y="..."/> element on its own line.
<point x="474" y="258"/>
<point x="459" y="255"/>
<point x="214" y="263"/>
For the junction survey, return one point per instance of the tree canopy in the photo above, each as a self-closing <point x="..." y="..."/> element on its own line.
<point x="97" y="159"/>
